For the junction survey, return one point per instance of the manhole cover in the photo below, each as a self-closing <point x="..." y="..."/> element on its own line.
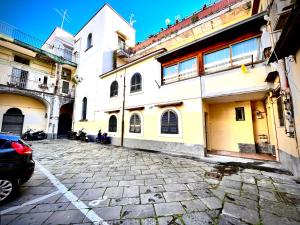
<point x="214" y="175"/>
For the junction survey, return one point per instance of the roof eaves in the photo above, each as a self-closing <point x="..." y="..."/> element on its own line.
<point x="260" y="15"/>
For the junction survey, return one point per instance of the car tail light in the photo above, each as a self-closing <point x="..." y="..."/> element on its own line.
<point x="21" y="148"/>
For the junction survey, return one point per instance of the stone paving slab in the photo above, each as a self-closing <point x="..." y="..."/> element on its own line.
<point x="137" y="188"/>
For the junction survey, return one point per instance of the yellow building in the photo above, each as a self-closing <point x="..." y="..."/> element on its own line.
<point x="283" y="54"/>
<point x="160" y="109"/>
<point x="36" y="90"/>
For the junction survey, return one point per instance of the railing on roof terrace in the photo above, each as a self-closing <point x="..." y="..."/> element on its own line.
<point x="12" y="32"/>
<point x="206" y="11"/>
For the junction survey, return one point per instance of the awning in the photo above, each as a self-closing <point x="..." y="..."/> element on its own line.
<point x="113" y="111"/>
<point x="135" y="108"/>
<point x="271" y="76"/>
<point x="168" y="104"/>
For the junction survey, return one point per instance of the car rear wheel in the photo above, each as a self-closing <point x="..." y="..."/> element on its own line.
<point x="7" y="187"/>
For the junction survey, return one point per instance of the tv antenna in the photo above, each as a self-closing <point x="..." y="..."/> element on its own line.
<point x="64" y="15"/>
<point x="131" y="20"/>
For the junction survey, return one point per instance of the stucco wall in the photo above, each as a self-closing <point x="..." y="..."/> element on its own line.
<point x="235" y="81"/>
<point x="224" y="132"/>
<point x="33" y="110"/>
<point x="98" y="59"/>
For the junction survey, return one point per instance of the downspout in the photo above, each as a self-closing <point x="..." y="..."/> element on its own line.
<point x="123" y="109"/>
<point x="282" y="75"/>
<point x="205" y="124"/>
<point x="276" y="134"/>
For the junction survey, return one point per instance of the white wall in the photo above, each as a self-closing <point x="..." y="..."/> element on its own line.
<point x="98" y="59"/>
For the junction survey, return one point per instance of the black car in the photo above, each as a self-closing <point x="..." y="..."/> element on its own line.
<point x="16" y="164"/>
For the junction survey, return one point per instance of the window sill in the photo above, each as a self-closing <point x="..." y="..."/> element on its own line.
<point x="176" y="81"/>
<point x="129" y="134"/>
<point x="171" y="135"/>
<point x="88" y="48"/>
<point x="136" y="92"/>
<point x="235" y="67"/>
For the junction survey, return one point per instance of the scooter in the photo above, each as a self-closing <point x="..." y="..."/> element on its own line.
<point x="81" y="135"/>
<point x="31" y="135"/>
<point x="72" y="135"/>
<point x="102" y="138"/>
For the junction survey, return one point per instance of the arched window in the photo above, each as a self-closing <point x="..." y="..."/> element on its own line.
<point x="112" y="124"/>
<point x="89" y="42"/>
<point x="14" y="111"/>
<point x="114" y="89"/>
<point x="169" y="123"/>
<point x="136" y="82"/>
<point x="84" y="108"/>
<point x="135" y="124"/>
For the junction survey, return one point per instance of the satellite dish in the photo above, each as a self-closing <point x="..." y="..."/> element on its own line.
<point x="178" y="17"/>
<point x="168" y="21"/>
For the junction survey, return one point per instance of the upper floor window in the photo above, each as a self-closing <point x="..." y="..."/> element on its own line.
<point x="84" y="108"/>
<point x="169" y="122"/>
<point x="19" y="77"/>
<point x="112" y="124"/>
<point x="121" y="43"/>
<point x="181" y="70"/>
<point x="244" y="52"/>
<point x="114" y="89"/>
<point x="135" y="124"/>
<point x="239" y="114"/>
<point x="89" y="42"/>
<point x="67" y="53"/>
<point x="136" y="83"/>
<point x="66" y="74"/>
<point x="22" y="60"/>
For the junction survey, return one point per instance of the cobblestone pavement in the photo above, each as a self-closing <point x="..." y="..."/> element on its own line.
<point x="136" y="187"/>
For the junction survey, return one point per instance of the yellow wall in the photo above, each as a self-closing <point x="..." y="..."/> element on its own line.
<point x="235" y="80"/>
<point x="260" y="125"/>
<point x="190" y="124"/>
<point x="33" y="110"/>
<point x="224" y="132"/>
<point x="294" y="80"/>
<point x="41" y="66"/>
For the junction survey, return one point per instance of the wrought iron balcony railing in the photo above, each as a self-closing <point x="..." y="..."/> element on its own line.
<point x="12" y="32"/>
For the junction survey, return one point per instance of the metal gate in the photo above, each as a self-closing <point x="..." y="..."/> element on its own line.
<point x="13" y="121"/>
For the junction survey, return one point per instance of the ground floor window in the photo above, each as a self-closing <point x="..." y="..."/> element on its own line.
<point x="135" y="124"/>
<point x="112" y="124"/>
<point x="169" y="122"/>
<point x="239" y="114"/>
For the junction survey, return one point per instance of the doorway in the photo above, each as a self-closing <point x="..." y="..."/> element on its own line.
<point x="13" y="121"/>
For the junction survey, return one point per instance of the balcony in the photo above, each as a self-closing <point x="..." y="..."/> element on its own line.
<point x="31" y="80"/>
<point x="279" y="13"/>
<point x="237" y="83"/>
<point x="36" y="44"/>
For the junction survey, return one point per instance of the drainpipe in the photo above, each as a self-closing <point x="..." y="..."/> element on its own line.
<point x="123" y="109"/>
<point x="282" y="75"/>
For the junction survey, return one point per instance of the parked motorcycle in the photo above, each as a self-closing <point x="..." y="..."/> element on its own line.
<point x="31" y="135"/>
<point x="81" y="135"/>
<point x="72" y="135"/>
<point x="102" y="138"/>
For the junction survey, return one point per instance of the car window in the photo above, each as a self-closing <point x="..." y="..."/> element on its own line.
<point x="3" y="143"/>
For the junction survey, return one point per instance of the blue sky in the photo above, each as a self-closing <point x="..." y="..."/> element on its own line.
<point x="38" y="18"/>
